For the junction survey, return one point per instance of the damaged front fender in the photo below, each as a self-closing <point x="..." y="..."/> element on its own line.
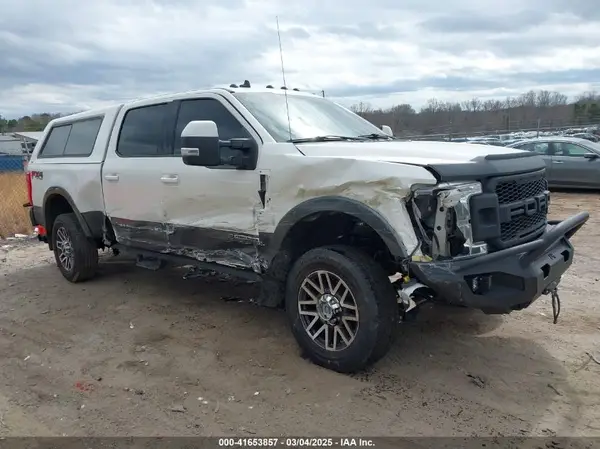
<point x="344" y="205"/>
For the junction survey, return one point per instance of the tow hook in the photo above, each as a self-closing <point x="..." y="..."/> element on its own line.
<point x="552" y="290"/>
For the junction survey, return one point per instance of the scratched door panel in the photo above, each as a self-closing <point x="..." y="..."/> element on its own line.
<point x="211" y="212"/>
<point x="131" y="176"/>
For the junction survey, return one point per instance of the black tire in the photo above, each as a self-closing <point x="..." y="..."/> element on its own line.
<point x="374" y="297"/>
<point x="84" y="254"/>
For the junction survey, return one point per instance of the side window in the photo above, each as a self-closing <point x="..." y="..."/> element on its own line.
<point x="83" y="137"/>
<point x="541" y="148"/>
<point x="208" y="109"/>
<point x="142" y="132"/>
<point x="570" y="149"/>
<point x="56" y="141"/>
<point x="72" y="140"/>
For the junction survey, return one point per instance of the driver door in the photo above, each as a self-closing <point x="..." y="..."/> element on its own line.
<point x="211" y="211"/>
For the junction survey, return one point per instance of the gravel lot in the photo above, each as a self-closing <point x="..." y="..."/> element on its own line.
<point x="136" y="352"/>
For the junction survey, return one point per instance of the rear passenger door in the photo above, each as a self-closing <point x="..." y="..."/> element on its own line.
<point x="131" y="175"/>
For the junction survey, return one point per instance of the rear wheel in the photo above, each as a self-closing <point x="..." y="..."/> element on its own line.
<point x="342" y="307"/>
<point x="76" y="256"/>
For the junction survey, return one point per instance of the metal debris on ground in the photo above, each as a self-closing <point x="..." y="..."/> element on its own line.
<point x="178" y="409"/>
<point x="592" y="358"/>
<point x="553" y="388"/>
<point x="477" y="380"/>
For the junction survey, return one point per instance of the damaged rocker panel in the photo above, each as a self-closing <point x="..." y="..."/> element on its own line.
<point x="230" y="248"/>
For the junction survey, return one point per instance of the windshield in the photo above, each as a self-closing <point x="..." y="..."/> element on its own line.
<point x="310" y="117"/>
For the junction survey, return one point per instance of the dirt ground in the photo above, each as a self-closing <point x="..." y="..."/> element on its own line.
<point x="136" y="352"/>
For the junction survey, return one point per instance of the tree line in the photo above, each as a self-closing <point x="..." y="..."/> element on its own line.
<point x="34" y="122"/>
<point x="534" y="109"/>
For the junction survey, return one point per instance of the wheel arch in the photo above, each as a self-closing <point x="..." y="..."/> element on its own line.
<point x="56" y="200"/>
<point x="336" y="204"/>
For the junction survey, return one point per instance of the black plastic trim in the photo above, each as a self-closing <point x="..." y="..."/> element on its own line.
<point x="484" y="167"/>
<point x="91" y="222"/>
<point x="34" y="213"/>
<point x="506" y="212"/>
<point x="349" y="206"/>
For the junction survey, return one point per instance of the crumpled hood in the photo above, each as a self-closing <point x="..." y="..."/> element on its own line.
<point x="408" y="152"/>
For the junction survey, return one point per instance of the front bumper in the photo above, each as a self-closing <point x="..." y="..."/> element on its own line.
<point x="505" y="280"/>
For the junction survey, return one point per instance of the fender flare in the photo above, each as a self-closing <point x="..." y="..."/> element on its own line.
<point x="348" y="206"/>
<point x="59" y="191"/>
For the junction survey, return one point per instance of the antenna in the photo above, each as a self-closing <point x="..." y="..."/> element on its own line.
<point x="287" y="106"/>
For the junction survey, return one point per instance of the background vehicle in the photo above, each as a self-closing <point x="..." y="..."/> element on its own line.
<point x="347" y="228"/>
<point x="570" y="162"/>
<point x="586" y="136"/>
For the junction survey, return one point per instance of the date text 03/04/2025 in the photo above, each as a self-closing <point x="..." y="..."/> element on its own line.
<point x="296" y="442"/>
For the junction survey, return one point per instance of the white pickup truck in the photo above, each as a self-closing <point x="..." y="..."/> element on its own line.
<point x="346" y="227"/>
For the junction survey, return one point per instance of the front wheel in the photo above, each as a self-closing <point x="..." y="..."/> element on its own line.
<point x="342" y="307"/>
<point x="76" y="256"/>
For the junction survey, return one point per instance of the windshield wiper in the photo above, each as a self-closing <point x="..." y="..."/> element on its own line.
<point x="376" y="136"/>
<point x="328" y="138"/>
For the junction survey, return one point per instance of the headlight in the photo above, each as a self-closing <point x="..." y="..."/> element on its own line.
<point x="444" y="211"/>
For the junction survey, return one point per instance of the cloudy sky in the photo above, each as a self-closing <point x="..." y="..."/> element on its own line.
<point x="66" y="55"/>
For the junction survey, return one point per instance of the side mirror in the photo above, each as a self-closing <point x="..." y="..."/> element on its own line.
<point x="387" y="130"/>
<point x="591" y="156"/>
<point x="200" y="144"/>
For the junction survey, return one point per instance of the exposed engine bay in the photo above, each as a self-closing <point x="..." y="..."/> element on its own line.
<point x="442" y="215"/>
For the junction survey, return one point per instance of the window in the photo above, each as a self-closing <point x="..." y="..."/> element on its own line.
<point x="208" y="109"/>
<point x="82" y="138"/>
<point x="75" y="139"/>
<point x="570" y="149"/>
<point x="540" y="148"/>
<point x="535" y="147"/>
<point x="56" y="141"/>
<point x="309" y="116"/>
<point x="142" y="132"/>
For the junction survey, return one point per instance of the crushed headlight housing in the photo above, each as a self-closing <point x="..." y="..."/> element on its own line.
<point x="443" y="215"/>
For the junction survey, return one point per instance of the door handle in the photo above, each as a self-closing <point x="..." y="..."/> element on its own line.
<point x="112" y="177"/>
<point x="170" y="179"/>
<point x="557" y="162"/>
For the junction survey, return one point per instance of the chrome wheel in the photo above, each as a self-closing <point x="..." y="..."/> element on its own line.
<point x="64" y="246"/>
<point x="328" y="310"/>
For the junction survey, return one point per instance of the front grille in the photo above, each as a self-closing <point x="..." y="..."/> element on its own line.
<point x="511" y="191"/>
<point x="522" y="227"/>
<point x="523" y="207"/>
